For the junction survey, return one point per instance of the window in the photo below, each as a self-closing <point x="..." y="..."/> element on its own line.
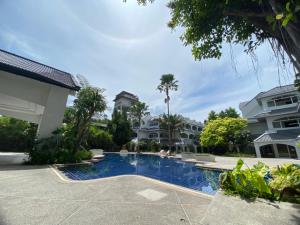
<point x="153" y="123"/>
<point x="187" y="126"/>
<point x="271" y="104"/>
<point x="199" y="128"/>
<point x="286" y="122"/>
<point x="153" y="135"/>
<point x="283" y="100"/>
<point x="191" y="136"/>
<point x="276" y="124"/>
<point x="290" y="123"/>
<point x="194" y="128"/>
<point x="183" y="135"/>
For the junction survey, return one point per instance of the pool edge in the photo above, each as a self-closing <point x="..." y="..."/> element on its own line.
<point x="64" y="178"/>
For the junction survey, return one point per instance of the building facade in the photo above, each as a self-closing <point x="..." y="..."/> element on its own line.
<point x="274" y="122"/>
<point x="186" y="137"/>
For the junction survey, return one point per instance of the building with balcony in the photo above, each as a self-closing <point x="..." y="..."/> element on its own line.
<point x="274" y="122"/>
<point x="124" y="100"/>
<point x="151" y="130"/>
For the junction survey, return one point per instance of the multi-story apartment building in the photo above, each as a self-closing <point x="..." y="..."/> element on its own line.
<point x="124" y="100"/>
<point x="151" y="130"/>
<point x="274" y="121"/>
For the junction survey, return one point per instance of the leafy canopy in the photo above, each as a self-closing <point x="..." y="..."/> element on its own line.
<point x="174" y="121"/>
<point x="221" y="131"/>
<point x="167" y="83"/>
<point x="138" y="111"/>
<point x="210" y="23"/>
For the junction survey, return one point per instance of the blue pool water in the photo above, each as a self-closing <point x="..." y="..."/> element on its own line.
<point x="173" y="171"/>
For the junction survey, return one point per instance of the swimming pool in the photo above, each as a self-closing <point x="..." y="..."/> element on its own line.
<point x="174" y="171"/>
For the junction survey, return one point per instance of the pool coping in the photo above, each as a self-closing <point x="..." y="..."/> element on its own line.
<point x="64" y="178"/>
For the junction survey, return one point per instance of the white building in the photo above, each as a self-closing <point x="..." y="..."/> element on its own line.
<point x="274" y="120"/>
<point x="34" y="92"/>
<point x="151" y="130"/>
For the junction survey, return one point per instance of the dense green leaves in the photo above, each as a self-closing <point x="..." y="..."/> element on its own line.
<point x="120" y="128"/>
<point x="220" y="132"/>
<point x="16" y="135"/>
<point x="282" y="183"/>
<point x="174" y="122"/>
<point x="210" y="23"/>
<point x="69" y="142"/>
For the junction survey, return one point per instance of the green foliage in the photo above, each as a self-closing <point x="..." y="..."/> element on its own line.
<point x="286" y="182"/>
<point x="248" y="183"/>
<point x="68" y="143"/>
<point x="167" y="83"/>
<point x="89" y="102"/>
<point x="138" y="111"/>
<point x="220" y="132"/>
<point x="174" y="121"/>
<point x="207" y="24"/>
<point x="229" y="112"/>
<point x="99" y="139"/>
<point x="57" y="149"/>
<point x="16" y="135"/>
<point x="120" y="128"/>
<point x="283" y="183"/>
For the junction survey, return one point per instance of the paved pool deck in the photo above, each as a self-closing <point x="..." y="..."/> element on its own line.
<point x="228" y="163"/>
<point x="36" y="195"/>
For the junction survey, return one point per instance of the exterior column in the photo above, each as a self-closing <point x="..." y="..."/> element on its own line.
<point x="297" y="151"/>
<point x="53" y="112"/>
<point x="257" y="150"/>
<point x="275" y="149"/>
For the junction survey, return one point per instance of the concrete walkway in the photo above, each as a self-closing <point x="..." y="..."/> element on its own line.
<point x="36" y="195"/>
<point x="235" y="211"/>
<point x="230" y="162"/>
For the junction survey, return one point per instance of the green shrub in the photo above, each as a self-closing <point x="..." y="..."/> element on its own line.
<point x="99" y="139"/>
<point x="55" y="149"/>
<point x="285" y="182"/>
<point x="281" y="183"/>
<point x="16" y="135"/>
<point x="154" y="146"/>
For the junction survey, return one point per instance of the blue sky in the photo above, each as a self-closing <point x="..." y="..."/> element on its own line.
<point x="122" y="46"/>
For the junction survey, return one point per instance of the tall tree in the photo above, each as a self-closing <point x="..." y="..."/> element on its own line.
<point x="137" y="112"/>
<point x="120" y="128"/>
<point x="220" y="132"/>
<point x="167" y="84"/>
<point x="173" y="122"/>
<point x="210" y="23"/>
<point x="89" y="102"/>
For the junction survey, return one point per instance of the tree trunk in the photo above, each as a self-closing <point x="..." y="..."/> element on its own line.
<point x="169" y="130"/>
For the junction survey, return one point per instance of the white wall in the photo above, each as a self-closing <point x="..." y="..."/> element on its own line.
<point x="32" y="100"/>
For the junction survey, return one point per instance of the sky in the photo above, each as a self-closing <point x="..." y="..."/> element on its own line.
<point x="123" y="46"/>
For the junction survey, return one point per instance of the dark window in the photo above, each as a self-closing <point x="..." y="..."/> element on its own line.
<point x="276" y="124"/>
<point x="290" y="123"/>
<point x="271" y="104"/>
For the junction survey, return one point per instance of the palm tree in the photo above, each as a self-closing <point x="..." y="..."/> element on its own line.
<point x="167" y="84"/>
<point x="137" y="112"/>
<point x="173" y="122"/>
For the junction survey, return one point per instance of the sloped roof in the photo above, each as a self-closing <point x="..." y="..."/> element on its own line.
<point x="280" y="135"/>
<point x="21" y="66"/>
<point x="275" y="112"/>
<point x="277" y="90"/>
<point x="126" y="94"/>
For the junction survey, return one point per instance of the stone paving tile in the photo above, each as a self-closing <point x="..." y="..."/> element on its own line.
<point x="22" y="211"/>
<point x="195" y="212"/>
<point x="33" y="197"/>
<point x="128" y="214"/>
